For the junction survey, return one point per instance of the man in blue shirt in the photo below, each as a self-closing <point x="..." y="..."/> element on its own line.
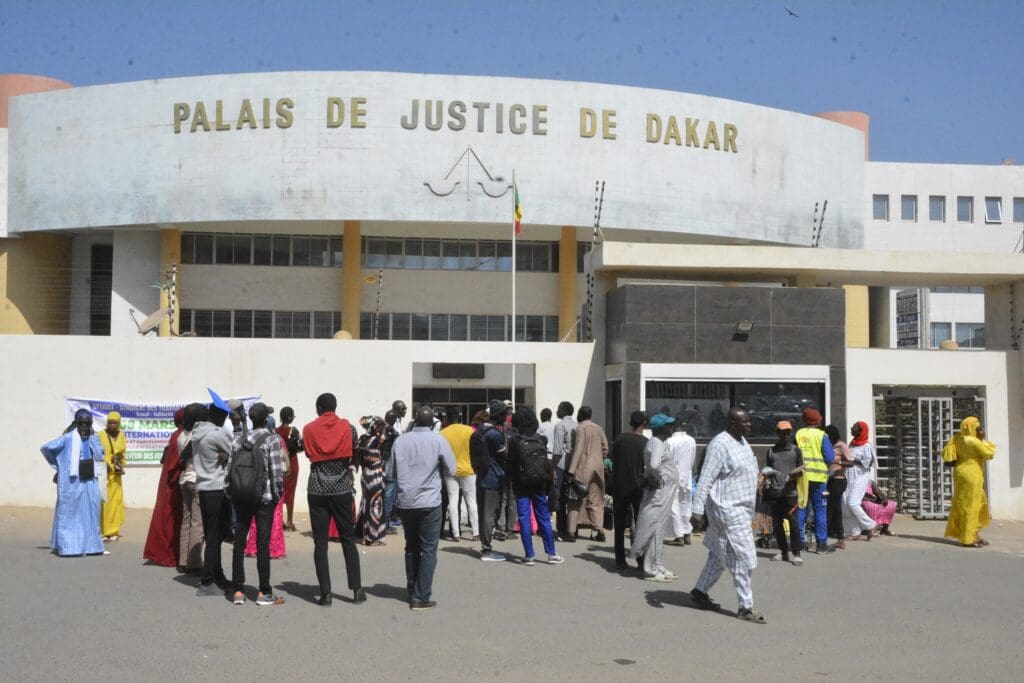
<point x="419" y="461"/>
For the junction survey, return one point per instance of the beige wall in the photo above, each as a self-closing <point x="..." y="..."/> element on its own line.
<point x="35" y="284"/>
<point x="366" y="377"/>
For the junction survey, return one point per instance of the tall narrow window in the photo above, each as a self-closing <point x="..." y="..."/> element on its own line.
<point x="282" y="250"/>
<point x="243" y="250"/>
<point x="225" y="248"/>
<point x="1018" y="209"/>
<point x="262" y="250"/>
<point x="319" y="252"/>
<point x="880" y="207"/>
<point x="965" y="209"/>
<point x="414" y="253"/>
<point x="300" y="250"/>
<point x="937" y="208"/>
<point x="204" y="247"/>
<point x="993" y="209"/>
<point x="188" y="245"/>
<point x="908" y="207"/>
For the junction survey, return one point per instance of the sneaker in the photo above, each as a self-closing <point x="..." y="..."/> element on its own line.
<point x="209" y="589"/>
<point x="660" y="577"/>
<point x="797" y="560"/>
<point x="239" y="598"/>
<point x="670" y="575"/>
<point x="529" y="561"/>
<point x="359" y="596"/>
<point x="420" y="606"/>
<point x="270" y="599"/>
<point x="555" y="559"/>
<point x="491" y="556"/>
<point x="781" y="557"/>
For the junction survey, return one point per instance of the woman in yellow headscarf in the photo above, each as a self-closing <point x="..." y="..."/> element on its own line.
<point x="114" y="447"/>
<point x="968" y="451"/>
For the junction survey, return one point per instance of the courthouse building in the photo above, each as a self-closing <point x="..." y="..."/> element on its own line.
<point x="294" y="233"/>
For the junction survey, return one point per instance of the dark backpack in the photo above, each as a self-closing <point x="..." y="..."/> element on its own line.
<point x="534" y="466"/>
<point x="248" y="474"/>
<point x="479" y="455"/>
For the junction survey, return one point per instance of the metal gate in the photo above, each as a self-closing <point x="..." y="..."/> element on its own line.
<point x="910" y="432"/>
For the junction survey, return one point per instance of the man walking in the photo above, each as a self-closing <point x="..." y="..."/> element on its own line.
<point x="561" y="452"/>
<point x="254" y="485"/>
<point x="418" y="461"/>
<point x="818" y="455"/>
<point x="330" y="443"/>
<point x="728" y="492"/>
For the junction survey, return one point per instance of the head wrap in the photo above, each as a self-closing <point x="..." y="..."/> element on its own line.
<point x="114" y="416"/>
<point x="861" y="438"/>
<point x="811" y="416"/>
<point x="83" y="412"/>
<point x="179" y="417"/>
<point x="968" y="428"/>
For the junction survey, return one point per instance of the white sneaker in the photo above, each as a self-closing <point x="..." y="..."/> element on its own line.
<point x="781" y="557"/>
<point x="671" y="576"/>
<point x="660" y="577"/>
<point x="797" y="560"/>
<point x="555" y="559"/>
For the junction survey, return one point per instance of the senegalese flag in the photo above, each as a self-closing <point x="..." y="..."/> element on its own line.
<point x="517" y="210"/>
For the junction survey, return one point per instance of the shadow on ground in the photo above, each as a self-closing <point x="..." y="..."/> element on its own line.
<point x="681" y="598"/>
<point x="388" y="592"/>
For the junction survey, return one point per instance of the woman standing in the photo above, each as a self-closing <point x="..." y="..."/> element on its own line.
<point x="371" y="513"/>
<point x="114" y="448"/>
<point x="165" y="524"/>
<point x="967" y="452"/>
<point x="293" y="441"/>
<point x="859" y="475"/>
<point x="190" y="538"/>
<point x="661" y="484"/>
<point x="837" y="485"/>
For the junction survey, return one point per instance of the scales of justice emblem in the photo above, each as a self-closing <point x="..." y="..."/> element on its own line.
<point x="491" y="185"/>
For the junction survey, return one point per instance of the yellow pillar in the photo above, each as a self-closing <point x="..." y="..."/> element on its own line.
<point x="351" y="277"/>
<point x="858" y="319"/>
<point x="35" y="281"/>
<point x="567" y="279"/>
<point x="170" y="255"/>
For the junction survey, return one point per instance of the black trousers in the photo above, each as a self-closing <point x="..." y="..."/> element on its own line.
<point x="783" y="509"/>
<point x="556" y="503"/>
<point x="836" y="489"/>
<point x="487" y="506"/>
<point x="244" y="513"/>
<point x="216" y="514"/>
<point x="627" y="509"/>
<point x="339" y="508"/>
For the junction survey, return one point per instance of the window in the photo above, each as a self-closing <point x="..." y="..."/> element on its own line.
<point x="336" y="251"/>
<point x="941" y="332"/>
<point x="282" y="324"/>
<point x="420" y="326"/>
<point x="300" y="250"/>
<point x="467" y="255"/>
<point x="908" y="207"/>
<point x="701" y="407"/>
<point x="204" y="248"/>
<point x="958" y="290"/>
<point x="262" y="250"/>
<point x="496" y="326"/>
<point x="301" y="325"/>
<point x="323" y="325"/>
<point x="243" y="250"/>
<point x="374" y="253"/>
<point x="1018" y="209"/>
<point x="224" y="249"/>
<point x="993" y="209"/>
<point x="221" y="323"/>
<point x="450" y="254"/>
<point x="262" y="324"/>
<point x="400" y="326"/>
<point x="534" y="328"/>
<point x="965" y="209"/>
<point x="184" y="320"/>
<point x="581" y="254"/>
<point x="937" y="208"/>
<point x="431" y="254"/>
<point x="393" y="253"/>
<point x="282" y="250"/>
<point x="970" y="335"/>
<point x="551" y="328"/>
<point x="542" y="257"/>
<point x="203" y="325"/>
<point x="504" y="249"/>
<point x="880" y="207"/>
<point x="478" y="328"/>
<point x="243" y="324"/>
<point x="319" y="254"/>
<point x="414" y="254"/>
<point x="439" y="326"/>
<point x="459" y="327"/>
<point x="188" y="245"/>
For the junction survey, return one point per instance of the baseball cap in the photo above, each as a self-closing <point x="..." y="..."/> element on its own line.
<point x="660" y="420"/>
<point x="260" y="411"/>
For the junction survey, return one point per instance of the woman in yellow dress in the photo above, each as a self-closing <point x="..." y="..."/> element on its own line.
<point x="967" y="452"/>
<point x="114" y="447"/>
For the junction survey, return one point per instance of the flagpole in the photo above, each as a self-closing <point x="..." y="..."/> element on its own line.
<point x="515" y="190"/>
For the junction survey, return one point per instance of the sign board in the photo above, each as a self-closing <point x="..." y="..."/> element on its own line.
<point x="908" y="319"/>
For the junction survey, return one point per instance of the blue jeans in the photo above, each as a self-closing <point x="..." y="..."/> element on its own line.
<point x="540" y="511"/>
<point x="422" y="527"/>
<point x="390" y="493"/>
<point x="817" y="502"/>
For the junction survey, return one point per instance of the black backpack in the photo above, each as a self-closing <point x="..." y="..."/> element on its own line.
<point x="248" y="474"/>
<point x="534" y="466"/>
<point x="479" y="455"/>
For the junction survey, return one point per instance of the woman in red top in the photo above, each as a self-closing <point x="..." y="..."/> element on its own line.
<point x="293" y="440"/>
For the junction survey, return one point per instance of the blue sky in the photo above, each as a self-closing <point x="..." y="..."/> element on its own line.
<point x="942" y="81"/>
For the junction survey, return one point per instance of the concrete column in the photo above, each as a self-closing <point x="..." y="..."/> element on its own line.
<point x="136" y="271"/>
<point x="170" y="256"/>
<point x="567" y="278"/>
<point x="1004" y="316"/>
<point x="351" y="277"/>
<point x="858" y="321"/>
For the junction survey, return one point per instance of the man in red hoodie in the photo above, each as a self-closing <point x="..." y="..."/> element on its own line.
<point x="330" y="443"/>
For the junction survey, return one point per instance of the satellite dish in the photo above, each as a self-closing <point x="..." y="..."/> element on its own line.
<point x="153" y="321"/>
<point x="342" y="334"/>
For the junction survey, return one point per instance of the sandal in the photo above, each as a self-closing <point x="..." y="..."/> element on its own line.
<point x="982" y="541"/>
<point x="290" y="527"/>
<point x="752" y="616"/>
<point x="971" y="545"/>
<point x="703" y="600"/>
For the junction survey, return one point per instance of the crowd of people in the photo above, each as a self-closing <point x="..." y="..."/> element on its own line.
<point x="229" y="475"/>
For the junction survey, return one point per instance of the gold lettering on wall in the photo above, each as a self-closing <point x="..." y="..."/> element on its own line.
<point x="608" y="124"/>
<point x="284" y="112"/>
<point x="588" y="123"/>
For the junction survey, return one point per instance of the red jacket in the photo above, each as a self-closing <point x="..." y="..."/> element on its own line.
<point x="328" y="437"/>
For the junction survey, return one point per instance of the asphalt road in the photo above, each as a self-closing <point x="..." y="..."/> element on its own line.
<point x="911" y="607"/>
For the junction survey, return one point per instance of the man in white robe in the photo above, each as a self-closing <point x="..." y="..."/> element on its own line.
<point x="683" y="448"/>
<point x="728" y="492"/>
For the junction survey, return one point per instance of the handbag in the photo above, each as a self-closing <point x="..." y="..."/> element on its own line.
<point x="576" y="489"/>
<point x="86" y="469"/>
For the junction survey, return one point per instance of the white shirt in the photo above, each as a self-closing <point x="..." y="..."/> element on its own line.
<point x="683" y="449"/>
<point x="548" y="430"/>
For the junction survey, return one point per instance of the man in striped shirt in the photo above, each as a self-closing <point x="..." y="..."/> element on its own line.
<point x="727" y="492"/>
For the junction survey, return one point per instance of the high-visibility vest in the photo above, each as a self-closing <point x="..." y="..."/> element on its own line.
<point x="809" y="440"/>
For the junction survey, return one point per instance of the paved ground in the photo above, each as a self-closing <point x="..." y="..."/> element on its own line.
<point x="910" y="607"/>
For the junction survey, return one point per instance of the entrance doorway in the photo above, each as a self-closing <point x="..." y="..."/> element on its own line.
<point x="467" y="401"/>
<point x="912" y="424"/>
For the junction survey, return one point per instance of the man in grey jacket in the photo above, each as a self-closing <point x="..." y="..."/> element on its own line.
<point x="561" y="452"/>
<point x="211" y="448"/>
